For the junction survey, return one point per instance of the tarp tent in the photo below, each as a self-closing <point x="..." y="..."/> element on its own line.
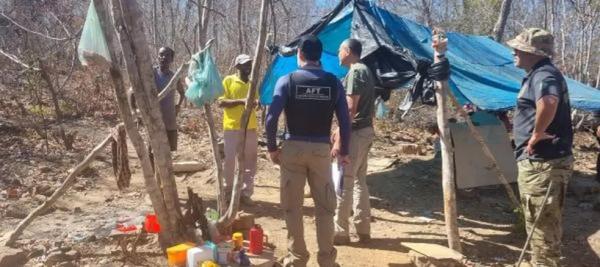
<point x="482" y="70"/>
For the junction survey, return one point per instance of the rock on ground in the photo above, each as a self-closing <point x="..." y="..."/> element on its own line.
<point x="12" y="257"/>
<point x="584" y="189"/>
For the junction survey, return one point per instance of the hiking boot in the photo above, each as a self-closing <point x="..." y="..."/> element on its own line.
<point x="341" y="240"/>
<point x="364" y="238"/>
<point x="246" y="200"/>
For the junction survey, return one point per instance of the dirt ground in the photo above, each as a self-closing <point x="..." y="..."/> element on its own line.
<point x="405" y="188"/>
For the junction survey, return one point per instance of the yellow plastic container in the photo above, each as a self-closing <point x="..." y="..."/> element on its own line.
<point x="209" y="264"/>
<point x="177" y="255"/>
<point x="238" y="240"/>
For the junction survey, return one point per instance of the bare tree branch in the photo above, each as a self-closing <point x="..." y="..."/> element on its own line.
<point x="17" y="60"/>
<point x="62" y="24"/>
<point x="32" y="31"/>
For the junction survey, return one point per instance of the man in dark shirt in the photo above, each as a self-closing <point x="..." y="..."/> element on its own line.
<point x="360" y="94"/>
<point x="543" y="138"/>
<point x="168" y="108"/>
<point x="309" y="97"/>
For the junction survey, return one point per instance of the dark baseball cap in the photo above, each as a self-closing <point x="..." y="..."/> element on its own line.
<point x="311" y="47"/>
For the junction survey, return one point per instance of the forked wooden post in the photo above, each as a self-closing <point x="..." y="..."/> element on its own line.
<point x="232" y="210"/>
<point x="448" y="179"/>
<point x="204" y="16"/>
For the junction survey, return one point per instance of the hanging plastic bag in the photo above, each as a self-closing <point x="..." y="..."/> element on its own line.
<point x="382" y="109"/>
<point x="205" y="81"/>
<point x="93" y="50"/>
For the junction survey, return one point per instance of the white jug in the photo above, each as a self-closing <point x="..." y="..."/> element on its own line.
<point x="198" y="255"/>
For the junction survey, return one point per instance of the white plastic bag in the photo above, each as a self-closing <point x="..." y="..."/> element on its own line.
<point x="337" y="174"/>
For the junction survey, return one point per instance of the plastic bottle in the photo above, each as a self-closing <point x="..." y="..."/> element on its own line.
<point x="256" y="240"/>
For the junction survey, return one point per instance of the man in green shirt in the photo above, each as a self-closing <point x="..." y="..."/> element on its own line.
<point x="360" y="95"/>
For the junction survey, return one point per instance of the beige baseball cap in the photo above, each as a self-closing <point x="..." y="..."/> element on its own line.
<point x="242" y="59"/>
<point x="535" y="41"/>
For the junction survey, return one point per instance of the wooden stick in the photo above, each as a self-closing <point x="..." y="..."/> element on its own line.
<point x="212" y="134"/>
<point x="11" y="237"/>
<point x="204" y="15"/>
<point x="448" y="179"/>
<point x="486" y="150"/>
<point x="17" y="60"/>
<point x="174" y="80"/>
<point x="229" y="216"/>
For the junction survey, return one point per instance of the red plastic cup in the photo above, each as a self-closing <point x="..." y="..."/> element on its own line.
<point x="151" y="224"/>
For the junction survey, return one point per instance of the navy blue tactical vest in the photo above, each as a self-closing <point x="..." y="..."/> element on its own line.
<point x="311" y="104"/>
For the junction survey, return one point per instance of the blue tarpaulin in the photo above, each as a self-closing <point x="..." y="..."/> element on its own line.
<point x="482" y="69"/>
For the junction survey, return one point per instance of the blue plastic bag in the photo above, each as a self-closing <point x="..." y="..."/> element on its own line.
<point x="382" y="109"/>
<point x="205" y="81"/>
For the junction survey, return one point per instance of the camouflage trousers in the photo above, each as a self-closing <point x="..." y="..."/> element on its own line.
<point x="534" y="179"/>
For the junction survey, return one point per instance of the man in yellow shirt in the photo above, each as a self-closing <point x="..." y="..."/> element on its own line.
<point x="232" y="101"/>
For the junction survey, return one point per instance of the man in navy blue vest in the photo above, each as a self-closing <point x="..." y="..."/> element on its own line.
<point x="309" y="97"/>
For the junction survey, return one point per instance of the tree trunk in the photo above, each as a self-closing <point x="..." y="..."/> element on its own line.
<point x="170" y="232"/>
<point x="598" y="78"/>
<point x="586" y="69"/>
<point x="67" y="140"/>
<point x="552" y="16"/>
<point x="154" y="25"/>
<point x="448" y="179"/>
<point x="229" y="216"/>
<point x="562" y="36"/>
<point x="141" y="76"/>
<point x="502" y="18"/>
<point x="152" y="187"/>
<point x="240" y="7"/>
<point x="426" y="12"/>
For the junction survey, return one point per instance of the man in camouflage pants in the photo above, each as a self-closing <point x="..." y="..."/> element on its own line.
<point x="543" y="138"/>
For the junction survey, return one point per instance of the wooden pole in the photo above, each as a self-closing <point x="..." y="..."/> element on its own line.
<point x="204" y="15"/>
<point x="11" y="237"/>
<point x="212" y="134"/>
<point x="448" y="179"/>
<point x="229" y="216"/>
<point x="172" y="83"/>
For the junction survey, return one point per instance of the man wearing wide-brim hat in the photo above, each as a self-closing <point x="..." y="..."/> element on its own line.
<point x="543" y="137"/>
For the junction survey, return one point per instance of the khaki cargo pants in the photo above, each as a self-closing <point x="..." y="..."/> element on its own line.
<point x="301" y="162"/>
<point x="355" y="194"/>
<point x="534" y="179"/>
